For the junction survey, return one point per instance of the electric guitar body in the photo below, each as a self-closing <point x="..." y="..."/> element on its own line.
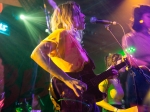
<point x="92" y="81"/>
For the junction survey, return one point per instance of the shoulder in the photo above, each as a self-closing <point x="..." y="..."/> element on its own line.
<point x="129" y="38"/>
<point x="59" y="32"/>
<point x="130" y="35"/>
<point x="56" y="35"/>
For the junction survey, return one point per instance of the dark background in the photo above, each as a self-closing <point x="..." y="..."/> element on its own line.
<point x="21" y="73"/>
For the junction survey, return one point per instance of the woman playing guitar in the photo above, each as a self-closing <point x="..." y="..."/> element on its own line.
<point x="62" y="55"/>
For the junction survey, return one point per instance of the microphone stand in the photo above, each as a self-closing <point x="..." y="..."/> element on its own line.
<point x="35" y="66"/>
<point x="47" y="13"/>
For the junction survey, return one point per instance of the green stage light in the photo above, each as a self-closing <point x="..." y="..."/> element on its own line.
<point x="130" y="50"/>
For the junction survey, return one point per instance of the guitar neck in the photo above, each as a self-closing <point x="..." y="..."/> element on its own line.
<point x="99" y="78"/>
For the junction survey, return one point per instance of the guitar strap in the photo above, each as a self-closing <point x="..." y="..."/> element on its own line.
<point x="54" y="96"/>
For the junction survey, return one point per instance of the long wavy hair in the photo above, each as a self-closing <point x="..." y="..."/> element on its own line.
<point x="63" y="18"/>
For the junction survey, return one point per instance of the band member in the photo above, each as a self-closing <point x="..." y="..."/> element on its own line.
<point x="113" y="87"/>
<point x="136" y="44"/>
<point x="62" y="55"/>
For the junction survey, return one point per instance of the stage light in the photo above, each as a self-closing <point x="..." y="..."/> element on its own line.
<point x="121" y="52"/>
<point x="46" y="30"/>
<point x="130" y="50"/>
<point x="22" y="16"/>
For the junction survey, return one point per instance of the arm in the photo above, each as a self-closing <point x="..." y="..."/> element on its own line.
<point x="111" y="108"/>
<point x="106" y="106"/>
<point x="103" y="86"/>
<point x="40" y="56"/>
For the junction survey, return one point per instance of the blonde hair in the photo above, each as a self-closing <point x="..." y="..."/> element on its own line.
<point x="63" y="18"/>
<point x="112" y="59"/>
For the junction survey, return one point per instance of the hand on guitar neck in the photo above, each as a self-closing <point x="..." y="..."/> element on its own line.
<point x="114" y="72"/>
<point x="120" y="67"/>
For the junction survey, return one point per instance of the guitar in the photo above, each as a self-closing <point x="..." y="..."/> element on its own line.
<point x="92" y="81"/>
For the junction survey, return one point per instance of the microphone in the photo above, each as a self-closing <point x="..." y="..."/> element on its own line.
<point x="95" y="20"/>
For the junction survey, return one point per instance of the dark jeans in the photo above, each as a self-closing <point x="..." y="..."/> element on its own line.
<point x="137" y="87"/>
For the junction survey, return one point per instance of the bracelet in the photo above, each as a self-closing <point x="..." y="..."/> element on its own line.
<point x="116" y="109"/>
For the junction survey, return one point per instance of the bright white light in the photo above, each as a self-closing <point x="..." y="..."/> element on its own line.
<point x="46" y="30"/>
<point x="22" y="16"/>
